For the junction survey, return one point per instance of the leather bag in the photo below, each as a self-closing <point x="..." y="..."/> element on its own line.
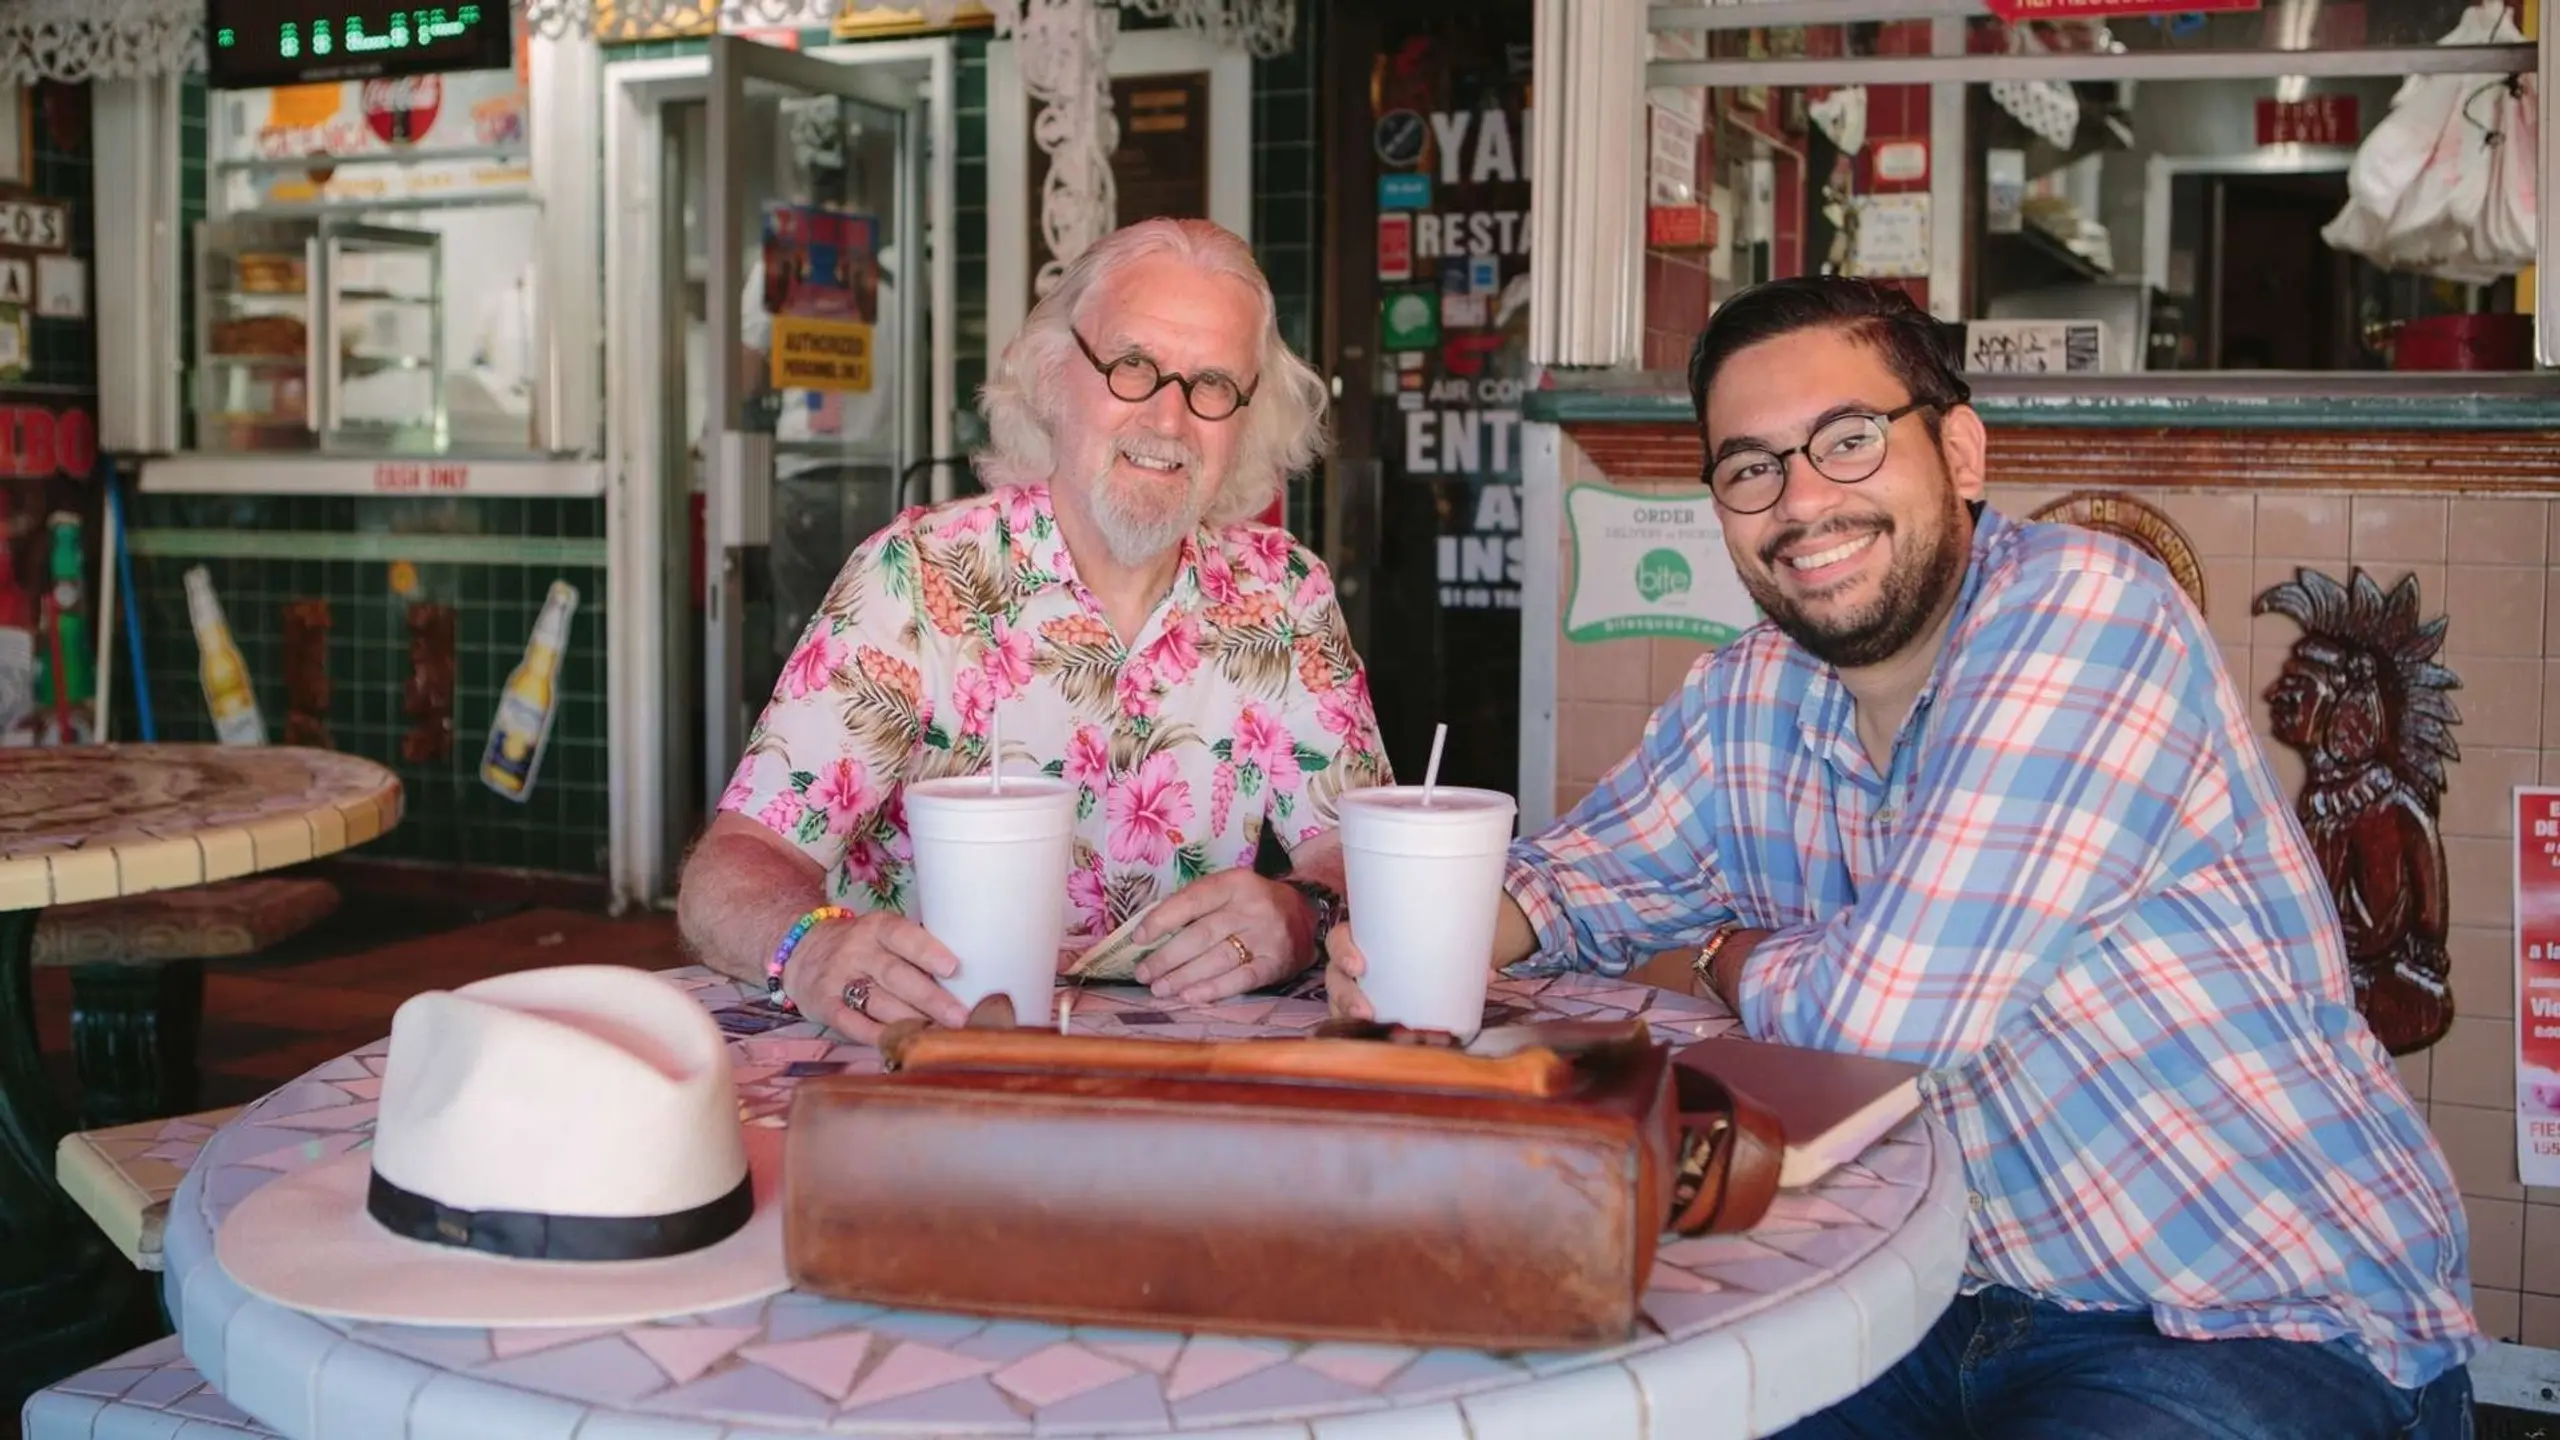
<point x="1343" y="1187"/>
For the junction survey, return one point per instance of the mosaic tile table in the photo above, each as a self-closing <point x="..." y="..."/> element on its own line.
<point x="98" y="822"/>
<point x="1744" y="1333"/>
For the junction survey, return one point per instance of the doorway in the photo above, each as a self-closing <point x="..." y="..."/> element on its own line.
<point x="778" y="363"/>
<point x="1429" y="322"/>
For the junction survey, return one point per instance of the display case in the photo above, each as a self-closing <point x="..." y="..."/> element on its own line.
<point x="319" y="335"/>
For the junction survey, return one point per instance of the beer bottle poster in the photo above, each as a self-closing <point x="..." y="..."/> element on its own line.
<point x="1449" y="111"/>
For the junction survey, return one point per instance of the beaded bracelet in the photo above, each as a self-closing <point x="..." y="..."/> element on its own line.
<point x="782" y="953"/>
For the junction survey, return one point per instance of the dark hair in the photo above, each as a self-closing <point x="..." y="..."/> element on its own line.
<point x="1918" y="348"/>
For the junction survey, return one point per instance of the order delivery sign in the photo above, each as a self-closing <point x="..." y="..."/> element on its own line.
<point x="2537" y="919"/>
<point x="1651" y="565"/>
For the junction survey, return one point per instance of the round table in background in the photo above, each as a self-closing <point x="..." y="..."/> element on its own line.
<point x="1744" y="1332"/>
<point x="96" y="822"/>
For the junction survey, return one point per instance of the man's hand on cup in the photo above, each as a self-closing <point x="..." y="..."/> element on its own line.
<point x="1342" y="972"/>
<point x="1232" y="932"/>
<point x="857" y="976"/>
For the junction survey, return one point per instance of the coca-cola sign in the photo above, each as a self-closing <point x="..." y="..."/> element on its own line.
<point x="402" y="111"/>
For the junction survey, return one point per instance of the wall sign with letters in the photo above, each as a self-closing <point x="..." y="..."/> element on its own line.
<point x="1647" y="565"/>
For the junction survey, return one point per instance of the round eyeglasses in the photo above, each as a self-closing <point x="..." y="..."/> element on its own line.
<point x="1845" y="451"/>
<point x="1213" y="395"/>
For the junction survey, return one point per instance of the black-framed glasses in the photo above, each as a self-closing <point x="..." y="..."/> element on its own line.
<point x="1845" y="450"/>
<point x="1212" y="395"/>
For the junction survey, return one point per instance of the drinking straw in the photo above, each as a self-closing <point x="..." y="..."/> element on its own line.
<point x="1431" y="771"/>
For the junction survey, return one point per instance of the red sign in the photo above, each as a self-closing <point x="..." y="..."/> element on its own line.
<point x="1395" y="246"/>
<point x="1679" y="227"/>
<point x="414" y="478"/>
<point x="38" y="444"/>
<point x="2537" y="919"/>
<point x="402" y="111"/>
<point x="2319" y="120"/>
<point x="2098" y="9"/>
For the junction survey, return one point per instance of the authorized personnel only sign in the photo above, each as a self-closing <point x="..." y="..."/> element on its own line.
<point x="814" y="354"/>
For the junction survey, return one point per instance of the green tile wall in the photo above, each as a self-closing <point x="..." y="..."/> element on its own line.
<point x="452" y="818"/>
<point x="64" y="352"/>
<point x="1288" y="214"/>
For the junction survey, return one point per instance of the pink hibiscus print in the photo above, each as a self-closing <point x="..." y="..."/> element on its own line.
<point x="970" y="523"/>
<point x="1262" y="740"/>
<point x="975" y="695"/>
<point x="844" y="791"/>
<point x="1222" y="795"/>
<point x="866" y="864"/>
<point x="1306" y="834"/>
<point x="1091" y="901"/>
<point x="1266" y="554"/>
<point x="813" y="665"/>
<point x="1313" y="591"/>
<point x="1008" y="658"/>
<point x="1021" y="513"/>
<point x="1149" y="811"/>
<point x="781" y="814"/>
<point x="1344" y="710"/>
<point x="1137" y="688"/>
<point x="1088" y="757"/>
<point x="740" y="791"/>
<point x="1218" y="581"/>
<point x="1177" y="651"/>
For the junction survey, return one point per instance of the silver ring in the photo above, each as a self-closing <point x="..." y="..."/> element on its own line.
<point x="857" y="995"/>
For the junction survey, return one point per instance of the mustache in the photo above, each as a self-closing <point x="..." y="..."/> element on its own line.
<point x="1829" y="529"/>
<point x="1147" y="445"/>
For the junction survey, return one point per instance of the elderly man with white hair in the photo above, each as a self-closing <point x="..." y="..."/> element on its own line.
<point x="1186" y="668"/>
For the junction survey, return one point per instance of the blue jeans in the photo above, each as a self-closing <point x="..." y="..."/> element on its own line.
<point x="2001" y="1364"/>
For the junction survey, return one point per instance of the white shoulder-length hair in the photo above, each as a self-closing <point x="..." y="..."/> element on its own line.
<point x="1285" y="426"/>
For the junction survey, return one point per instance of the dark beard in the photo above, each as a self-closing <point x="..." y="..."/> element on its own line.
<point x="1913" y="590"/>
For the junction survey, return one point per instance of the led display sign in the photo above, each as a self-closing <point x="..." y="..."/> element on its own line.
<point x="256" y="44"/>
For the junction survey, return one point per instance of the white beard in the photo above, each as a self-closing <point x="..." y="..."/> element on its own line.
<point x="1138" y="527"/>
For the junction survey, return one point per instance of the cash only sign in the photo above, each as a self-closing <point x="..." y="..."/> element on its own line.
<point x="1646" y="565"/>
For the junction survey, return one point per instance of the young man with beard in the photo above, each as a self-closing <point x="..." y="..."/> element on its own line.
<point x="1979" y="795"/>
<point x="1188" y="669"/>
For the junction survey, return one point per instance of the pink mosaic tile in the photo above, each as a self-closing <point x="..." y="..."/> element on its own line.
<point x="969" y="1407"/>
<point x="1274" y="1394"/>
<point x="826" y="1364"/>
<point x="601" y="1370"/>
<point x="1365" y="1367"/>
<point x="1058" y="1372"/>
<point x="1134" y="1402"/>
<point x="746" y="1392"/>
<point x="1210" y="1361"/>
<point x="910" y="1369"/>
<point x="686" y="1353"/>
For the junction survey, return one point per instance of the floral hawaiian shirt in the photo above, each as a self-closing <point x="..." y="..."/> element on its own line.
<point x="1240" y="705"/>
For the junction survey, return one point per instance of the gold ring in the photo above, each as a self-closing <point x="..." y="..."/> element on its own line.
<point x="1244" y="952"/>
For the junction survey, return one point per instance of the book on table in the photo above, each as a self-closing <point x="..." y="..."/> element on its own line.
<point x="1830" y="1105"/>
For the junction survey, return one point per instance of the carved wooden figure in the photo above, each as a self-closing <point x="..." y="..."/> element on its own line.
<point x="2363" y="701"/>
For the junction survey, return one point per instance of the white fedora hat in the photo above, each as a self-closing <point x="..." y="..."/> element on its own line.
<point x="553" y="1147"/>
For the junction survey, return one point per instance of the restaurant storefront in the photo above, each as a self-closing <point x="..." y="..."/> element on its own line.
<point x="403" y="351"/>
<point x="2186" y="322"/>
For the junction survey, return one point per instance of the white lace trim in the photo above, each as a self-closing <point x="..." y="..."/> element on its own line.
<point x="77" y="40"/>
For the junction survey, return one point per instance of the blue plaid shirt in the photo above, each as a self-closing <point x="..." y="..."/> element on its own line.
<point x="2079" y="896"/>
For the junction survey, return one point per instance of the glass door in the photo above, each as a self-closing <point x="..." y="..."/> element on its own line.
<point x="817" y="281"/>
